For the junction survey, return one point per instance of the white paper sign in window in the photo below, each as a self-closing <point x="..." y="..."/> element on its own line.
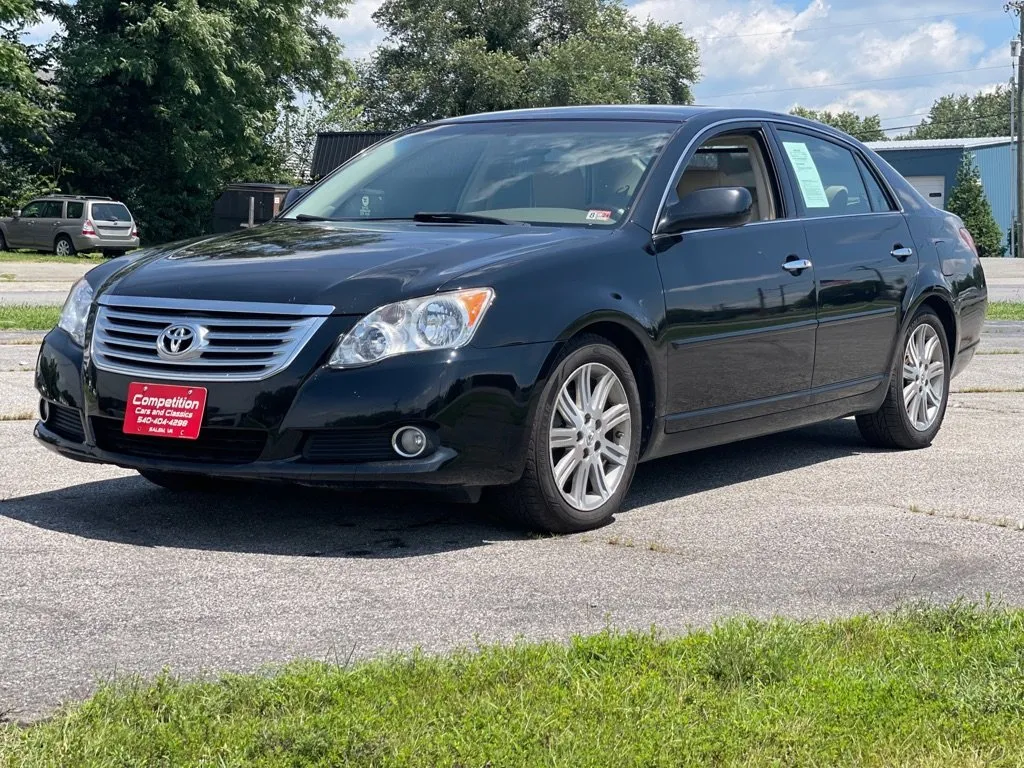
<point x="807" y="175"/>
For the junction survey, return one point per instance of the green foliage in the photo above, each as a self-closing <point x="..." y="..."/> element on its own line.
<point x="962" y="116"/>
<point x="451" y="57"/>
<point x="26" y="111"/>
<point x="923" y="687"/>
<point x="28" y="317"/>
<point x="1005" y="310"/>
<point x="172" y="99"/>
<point x="968" y="201"/>
<point x="867" y="128"/>
<point x="298" y="125"/>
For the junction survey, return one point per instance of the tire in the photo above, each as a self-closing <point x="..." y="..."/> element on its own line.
<point x="892" y="425"/>
<point x="537" y="500"/>
<point x="182" y="482"/>
<point x="63" y="246"/>
<point x="108" y="254"/>
<point x="3" y="242"/>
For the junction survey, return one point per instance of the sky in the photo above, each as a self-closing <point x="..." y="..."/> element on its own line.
<point x="884" y="57"/>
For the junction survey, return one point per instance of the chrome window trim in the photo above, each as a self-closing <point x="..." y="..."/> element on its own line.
<point x="210" y="305"/>
<point x="677" y="169"/>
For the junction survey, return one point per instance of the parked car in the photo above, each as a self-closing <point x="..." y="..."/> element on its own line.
<point x="531" y="301"/>
<point x="66" y="224"/>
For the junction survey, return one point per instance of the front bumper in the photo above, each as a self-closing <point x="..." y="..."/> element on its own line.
<point x="475" y="403"/>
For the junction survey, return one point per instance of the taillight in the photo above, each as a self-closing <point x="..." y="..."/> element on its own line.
<point x="968" y="240"/>
<point x="135" y="230"/>
<point x="88" y="228"/>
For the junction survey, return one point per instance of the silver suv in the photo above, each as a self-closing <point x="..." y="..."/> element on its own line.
<point x="65" y="224"/>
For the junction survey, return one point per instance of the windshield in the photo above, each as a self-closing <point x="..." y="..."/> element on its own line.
<point x="564" y="172"/>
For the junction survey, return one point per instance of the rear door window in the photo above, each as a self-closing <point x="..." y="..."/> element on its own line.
<point x="110" y="212"/>
<point x="825" y="176"/>
<point x="75" y="210"/>
<point x="52" y="209"/>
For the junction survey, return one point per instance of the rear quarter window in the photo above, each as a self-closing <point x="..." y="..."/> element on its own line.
<point x="110" y="212"/>
<point x="75" y="210"/>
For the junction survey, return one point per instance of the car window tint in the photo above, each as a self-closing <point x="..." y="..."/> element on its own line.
<point x="731" y="161"/>
<point x="32" y="210"/>
<point x="110" y="212"/>
<point x="75" y="210"/>
<point x="879" y="200"/>
<point x="827" y="179"/>
<point x="52" y="209"/>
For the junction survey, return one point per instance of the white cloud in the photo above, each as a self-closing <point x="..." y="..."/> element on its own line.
<point x="41" y="32"/>
<point x="357" y="31"/>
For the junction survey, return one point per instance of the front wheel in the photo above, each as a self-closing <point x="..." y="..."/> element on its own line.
<point x="584" y="442"/>
<point x="915" y="405"/>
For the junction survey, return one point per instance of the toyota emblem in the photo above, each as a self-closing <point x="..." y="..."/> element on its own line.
<point x="180" y="342"/>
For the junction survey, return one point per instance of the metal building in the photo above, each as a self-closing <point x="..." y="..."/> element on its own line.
<point x="931" y="165"/>
<point x="335" y="147"/>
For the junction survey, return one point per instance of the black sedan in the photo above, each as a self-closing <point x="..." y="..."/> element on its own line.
<point x="530" y="301"/>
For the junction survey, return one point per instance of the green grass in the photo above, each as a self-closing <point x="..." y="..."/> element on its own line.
<point x="49" y="258"/>
<point x="928" y="687"/>
<point x="27" y="317"/>
<point x="1005" y="310"/>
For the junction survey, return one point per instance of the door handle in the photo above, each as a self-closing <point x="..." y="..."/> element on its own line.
<point x="796" y="266"/>
<point x="901" y="253"/>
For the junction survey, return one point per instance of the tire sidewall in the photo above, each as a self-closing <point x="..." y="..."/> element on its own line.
<point x="918" y="437"/>
<point x="59" y="240"/>
<point x="589" y="352"/>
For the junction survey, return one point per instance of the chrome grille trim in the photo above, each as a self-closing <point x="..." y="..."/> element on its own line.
<point x="244" y="341"/>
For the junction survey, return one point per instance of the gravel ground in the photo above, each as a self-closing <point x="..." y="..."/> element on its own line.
<point x="104" y="574"/>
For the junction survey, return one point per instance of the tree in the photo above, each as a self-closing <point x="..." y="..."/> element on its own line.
<point x="863" y="128"/>
<point x="299" y="124"/>
<point x="960" y="116"/>
<point x="452" y="57"/>
<point x="968" y="201"/>
<point x="26" y="111"/>
<point x="172" y="99"/>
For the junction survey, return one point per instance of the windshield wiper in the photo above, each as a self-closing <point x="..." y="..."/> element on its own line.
<point x="454" y="217"/>
<point x="307" y="217"/>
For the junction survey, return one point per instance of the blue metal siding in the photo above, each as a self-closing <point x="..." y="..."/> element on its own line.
<point x="926" y="162"/>
<point x="997" y="176"/>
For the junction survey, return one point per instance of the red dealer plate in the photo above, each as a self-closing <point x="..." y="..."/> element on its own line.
<point x="164" y="410"/>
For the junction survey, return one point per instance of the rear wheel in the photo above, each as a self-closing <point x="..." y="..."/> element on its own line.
<point x="584" y="442"/>
<point x="3" y="242"/>
<point x="915" y="405"/>
<point x="182" y="482"/>
<point x="63" y="246"/>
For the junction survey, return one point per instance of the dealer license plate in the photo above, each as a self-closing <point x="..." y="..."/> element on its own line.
<point x="164" y="410"/>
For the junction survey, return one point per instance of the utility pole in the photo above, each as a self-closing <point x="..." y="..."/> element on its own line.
<point x="1017" y="7"/>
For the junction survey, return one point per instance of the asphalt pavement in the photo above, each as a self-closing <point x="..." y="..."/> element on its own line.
<point x="103" y="574"/>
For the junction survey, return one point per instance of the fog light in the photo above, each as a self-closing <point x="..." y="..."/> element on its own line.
<point x="409" y="442"/>
<point x="44" y="410"/>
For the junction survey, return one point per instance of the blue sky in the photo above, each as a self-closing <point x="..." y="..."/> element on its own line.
<point x="773" y="54"/>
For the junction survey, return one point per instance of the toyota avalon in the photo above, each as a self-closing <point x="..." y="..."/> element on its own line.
<point x="531" y="302"/>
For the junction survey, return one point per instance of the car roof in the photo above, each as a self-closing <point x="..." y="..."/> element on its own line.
<point x="674" y="113"/>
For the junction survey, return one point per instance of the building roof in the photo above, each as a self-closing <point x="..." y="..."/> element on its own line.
<point x="893" y="146"/>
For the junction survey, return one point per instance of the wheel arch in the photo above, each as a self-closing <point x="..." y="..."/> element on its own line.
<point x="941" y="302"/>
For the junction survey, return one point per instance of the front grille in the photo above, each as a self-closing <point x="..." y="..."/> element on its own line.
<point x="66" y="422"/>
<point x="348" y="446"/>
<point x="215" y="445"/>
<point x="236" y="341"/>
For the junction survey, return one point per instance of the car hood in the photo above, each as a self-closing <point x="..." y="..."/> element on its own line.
<point x="354" y="267"/>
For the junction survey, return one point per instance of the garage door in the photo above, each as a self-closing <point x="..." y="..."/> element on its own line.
<point x="932" y="187"/>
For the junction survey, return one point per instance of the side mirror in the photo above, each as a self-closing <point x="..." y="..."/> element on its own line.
<point x="707" y="209"/>
<point x="294" y="195"/>
<point x="16" y="213"/>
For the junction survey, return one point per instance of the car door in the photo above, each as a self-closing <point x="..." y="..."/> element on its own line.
<point x="740" y="302"/>
<point x="863" y="254"/>
<point x="22" y="230"/>
<point x="50" y="218"/>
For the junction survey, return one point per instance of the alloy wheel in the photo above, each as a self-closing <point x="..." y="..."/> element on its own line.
<point x="63" y="247"/>
<point x="924" y="377"/>
<point x="589" y="436"/>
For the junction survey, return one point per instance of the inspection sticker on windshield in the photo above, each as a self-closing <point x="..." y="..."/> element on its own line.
<point x="599" y="215"/>
<point x="164" y="410"/>
<point x="807" y="175"/>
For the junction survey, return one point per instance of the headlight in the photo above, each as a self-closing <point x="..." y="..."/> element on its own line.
<point x="75" y="313"/>
<point x="441" y="321"/>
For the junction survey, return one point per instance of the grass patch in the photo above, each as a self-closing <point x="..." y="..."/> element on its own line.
<point x="987" y="390"/>
<point x="49" y="258"/>
<point x="23" y="416"/>
<point x="1005" y="310"/>
<point x="28" y="317"/>
<point x="923" y="687"/>
<point x="1001" y="352"/>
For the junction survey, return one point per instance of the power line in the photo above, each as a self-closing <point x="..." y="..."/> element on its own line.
<point x="971" y="119"/>
<point x="793" y="30"/>
<point x="852" y="82"/>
